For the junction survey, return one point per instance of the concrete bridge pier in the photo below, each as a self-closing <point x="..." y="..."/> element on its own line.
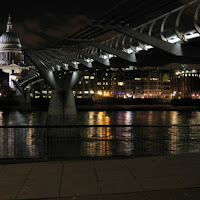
<point x="62" y="108"/>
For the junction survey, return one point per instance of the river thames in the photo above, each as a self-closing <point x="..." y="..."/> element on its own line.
<point x="99" y="134"/>
<point x="106" y="118"/>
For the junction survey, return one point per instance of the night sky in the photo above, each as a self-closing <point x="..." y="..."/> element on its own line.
<point x="40" y="24"/>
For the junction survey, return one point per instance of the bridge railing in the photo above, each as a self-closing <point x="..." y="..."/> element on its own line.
<point x="97" y="141"/>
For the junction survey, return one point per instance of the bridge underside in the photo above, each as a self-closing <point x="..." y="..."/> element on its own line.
<point x="151" y="35"/>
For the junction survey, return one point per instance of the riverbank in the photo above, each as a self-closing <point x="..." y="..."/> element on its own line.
<point x="173" y="177"/>
<point x="102" y="107"/>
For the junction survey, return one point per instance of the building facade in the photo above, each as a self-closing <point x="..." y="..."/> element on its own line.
<point x="124" y="84"/>
<point x="11" y="56"/>
<point x="132" y="84"/>
<point x="186" y="84"/>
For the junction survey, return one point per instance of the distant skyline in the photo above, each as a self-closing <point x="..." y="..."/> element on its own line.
<point x="40" y="24"/>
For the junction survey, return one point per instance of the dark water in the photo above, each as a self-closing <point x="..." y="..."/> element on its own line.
<point x="107" y="117"/>
<point x="100" y="141"/>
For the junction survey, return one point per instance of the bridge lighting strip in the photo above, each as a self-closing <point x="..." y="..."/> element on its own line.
<point x="173" y="39"/>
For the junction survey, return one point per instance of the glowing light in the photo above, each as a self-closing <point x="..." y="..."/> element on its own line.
<point x="120" y="83"/>
<point x="194" y="71"/>
<point x="99" y="92"/>
<point x="106" y="94"/>
<point x="129" y="50"/>
<point x="174" y="39"/>
<point x="191" y="36"/>
<point x="89" y="60"/>
<point x="128" y="95"/>
<point x="75" y="62"/>
<point x="104" y="57"/>
<point x="107" y="56"/>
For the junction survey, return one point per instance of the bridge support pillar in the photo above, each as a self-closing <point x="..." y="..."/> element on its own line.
<point x="62" y="108"/>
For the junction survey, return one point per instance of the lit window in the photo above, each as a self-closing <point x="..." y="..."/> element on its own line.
<point x="99" y="92"/>
<point x="138" y="79"/>
<point x="120" y="83"/>
<point x="91" y="77"/>
<point x="98" y="83"/>
<point x="86" y="77"/>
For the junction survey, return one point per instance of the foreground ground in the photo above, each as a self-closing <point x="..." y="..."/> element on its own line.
<point x="168" y="177"/>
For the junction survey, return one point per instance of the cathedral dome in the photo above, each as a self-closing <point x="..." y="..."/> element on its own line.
<point x="10" y="47"/>
<point x="8" y="40"/>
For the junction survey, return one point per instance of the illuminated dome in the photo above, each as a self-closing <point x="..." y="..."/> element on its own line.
<point x="10" y="46"/>
<point x="9" y="41"/>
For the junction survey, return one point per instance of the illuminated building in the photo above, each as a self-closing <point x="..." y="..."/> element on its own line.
<point x="142" y="84"/>
<point x="11" y="56"/>
<point x="124" y="84"/>
<point x="94" y="84"/>
<point x="186" y="84"/>
<point x="41" y="90"/>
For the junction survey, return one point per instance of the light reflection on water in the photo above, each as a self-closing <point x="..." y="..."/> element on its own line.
<point x="106" y="117"/>
<point x="104" y="141"/>
<point x="138" y="117"/>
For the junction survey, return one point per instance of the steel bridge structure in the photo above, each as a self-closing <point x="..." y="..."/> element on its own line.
<point x="153" y="34"/>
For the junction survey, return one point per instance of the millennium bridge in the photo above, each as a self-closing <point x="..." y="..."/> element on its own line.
<point x="147" y="35"/>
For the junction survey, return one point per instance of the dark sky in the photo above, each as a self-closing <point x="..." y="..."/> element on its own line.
<point x="39" y="23"/>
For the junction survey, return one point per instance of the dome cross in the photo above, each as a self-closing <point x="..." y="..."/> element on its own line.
<point x="9" y="25"/>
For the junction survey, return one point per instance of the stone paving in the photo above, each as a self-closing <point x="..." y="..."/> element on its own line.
<point x="168" y="177"/>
